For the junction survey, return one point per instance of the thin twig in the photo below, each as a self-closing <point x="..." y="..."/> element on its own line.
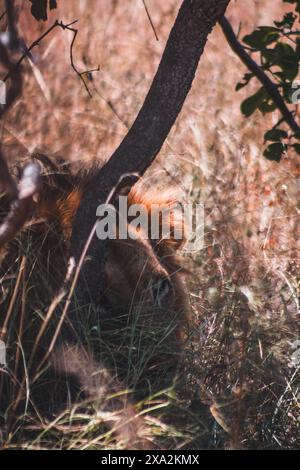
<point x="2" y="15"/>
<point x="54" y="304"/>
<point x="123" y="186"/>
<point x="7" y="183"/>
<point x="13" y="32"/>
<point x="22" y="318"/>
<point x="3" y="331"/>
<point x="57" y="24"/>
<point x="29" y="49"/>
<point x="80" y="74"/>
<point x="150" y="20"/>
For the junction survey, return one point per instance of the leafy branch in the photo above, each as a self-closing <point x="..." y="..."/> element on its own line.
<point x="278" y="47"/>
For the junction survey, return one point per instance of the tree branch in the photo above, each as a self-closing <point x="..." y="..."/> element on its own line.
<point x="21" y="207"/>
<point x="10" y="10"/>
<point x="11" y="94"/>
<point x="144" y="140"/>
<point x="269" y="86"/>
<point x="22" y="197"/>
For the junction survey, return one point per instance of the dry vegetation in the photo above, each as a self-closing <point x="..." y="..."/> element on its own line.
<point x="239" y="388"/>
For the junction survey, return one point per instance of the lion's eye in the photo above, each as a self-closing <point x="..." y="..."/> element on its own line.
<point x="161" y="291"/>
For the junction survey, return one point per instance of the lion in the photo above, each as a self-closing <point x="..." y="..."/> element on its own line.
<point x="137" y="332"/>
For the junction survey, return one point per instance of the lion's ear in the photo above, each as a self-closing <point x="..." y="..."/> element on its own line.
<point x="166" y="212"/>
<point x="173" y="230"/>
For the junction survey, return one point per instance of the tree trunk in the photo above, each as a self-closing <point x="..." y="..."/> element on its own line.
<point x="169" y="89"/>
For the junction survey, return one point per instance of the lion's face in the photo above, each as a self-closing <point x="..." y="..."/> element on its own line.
<point x="135" y="274"/>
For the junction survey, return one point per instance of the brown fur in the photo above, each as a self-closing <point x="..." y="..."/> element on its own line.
<point x="131" y="264"/>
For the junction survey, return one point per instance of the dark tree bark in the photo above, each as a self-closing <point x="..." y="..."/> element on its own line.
<point x="145" y="138"/>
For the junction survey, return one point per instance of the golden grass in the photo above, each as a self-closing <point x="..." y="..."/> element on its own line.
<point x="245" y="287"/>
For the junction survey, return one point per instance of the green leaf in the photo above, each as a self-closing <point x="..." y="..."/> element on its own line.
<point x="298" y="48"/>
<point x="275" y="151"/>
<point x="267" y="106"/>
<point x="270" y="55"/>
<point x="287" y="22"/>
<point x="260" y="100"/>
<point x="283" y="56"/>
<point x="297" y="148"/>
<point x="247" y="77"/>
<point x="253" y="102"/>
<point x="39" y="8"/>
<point x="275" y="135"/>
<point x="262" y="37"/>
<point x="287" y="60"/>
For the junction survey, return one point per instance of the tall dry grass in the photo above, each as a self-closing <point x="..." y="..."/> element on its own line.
<point x="239" y="388"/>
